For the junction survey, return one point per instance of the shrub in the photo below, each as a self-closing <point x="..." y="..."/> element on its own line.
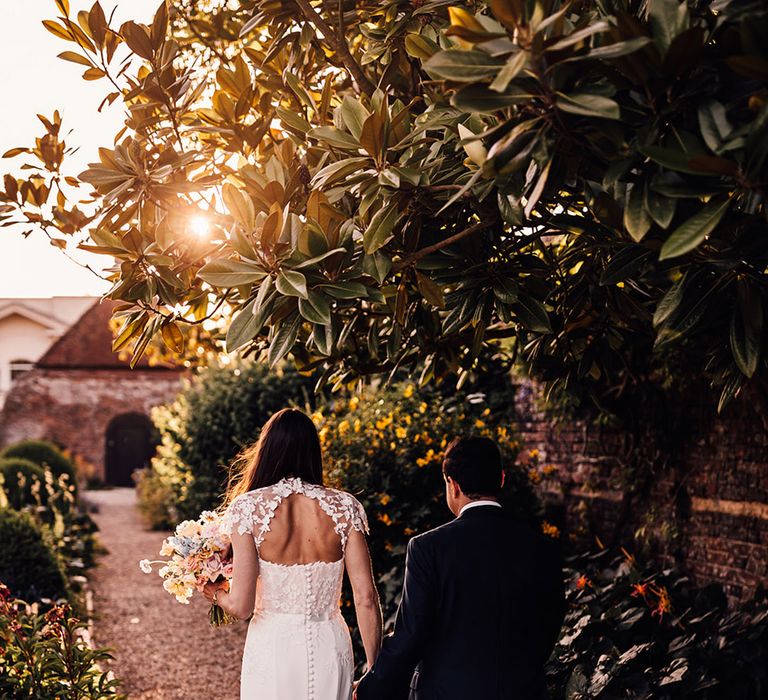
<point x="23" y="482"/>
<point x="386" y="447"/>
<point x="630" y="633"/>
<point x="44" y="454"/>
<point x="215" y="416"/>
<point x="43" y="654"/>
<point x="29" y="564"/>
<point x="155" y="499"/>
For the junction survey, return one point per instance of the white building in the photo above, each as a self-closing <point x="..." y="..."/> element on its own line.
<point x="28" y="327"/>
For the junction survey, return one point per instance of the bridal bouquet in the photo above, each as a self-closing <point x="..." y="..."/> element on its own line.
<point x="199" y="553"/>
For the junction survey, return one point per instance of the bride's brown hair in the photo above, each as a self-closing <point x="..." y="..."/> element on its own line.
<point x="287" y="447"/>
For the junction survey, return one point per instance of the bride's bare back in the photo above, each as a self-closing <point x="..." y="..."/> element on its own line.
<point x="301" y="532"/>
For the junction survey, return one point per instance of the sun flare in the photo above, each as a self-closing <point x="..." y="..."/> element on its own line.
<point x="200" y="225"/>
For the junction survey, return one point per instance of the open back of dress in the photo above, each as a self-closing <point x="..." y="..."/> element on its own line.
<point x="298" y="645"/>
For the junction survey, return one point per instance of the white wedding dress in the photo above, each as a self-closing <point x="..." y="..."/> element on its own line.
<point x="298" y="645"/>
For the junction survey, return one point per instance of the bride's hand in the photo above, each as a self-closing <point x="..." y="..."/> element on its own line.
<point x="209" y="589"/>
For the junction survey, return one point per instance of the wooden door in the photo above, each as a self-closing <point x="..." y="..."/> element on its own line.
<point x="130" y="446"/>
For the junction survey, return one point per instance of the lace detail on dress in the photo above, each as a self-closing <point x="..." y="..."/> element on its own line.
<point x="312" y="590"/>
<point x="253" y="511"/>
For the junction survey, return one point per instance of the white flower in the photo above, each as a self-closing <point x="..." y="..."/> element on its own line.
<point x="189" y="528"/>
<point x="167" y="549"/>
<point x="146" y="566"/>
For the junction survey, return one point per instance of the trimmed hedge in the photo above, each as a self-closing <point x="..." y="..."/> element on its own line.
<point x="44" y="454"/>
<point x="29" y="565"/>
<point x="21" y="481"/>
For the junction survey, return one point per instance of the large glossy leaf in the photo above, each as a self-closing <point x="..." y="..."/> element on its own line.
<point x="315" y="308"/>
<point x="380" y="230"/>
<point x="691" y="233"/>
<point x="660" y="208"/>
<point x="533" y="314"/>
<point x="284" y="339"/>
<point x="240" y="206"/>
<point x="669" y="302"/>
<point x="354" y="115"/>
<point x="231" y="273"/>
<point x="334" y="138"/>
<point x="462" y="66"/>
<point x="637" y="220"/>
<point x="625" y="264"/>
<point x="243" y="327"/>
<point x="292" y="283"/>
<point x="589" y="105"/>
<point x="746" y="332"/>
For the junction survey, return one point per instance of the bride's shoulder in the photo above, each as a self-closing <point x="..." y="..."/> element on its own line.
<point x="349" y="507"/>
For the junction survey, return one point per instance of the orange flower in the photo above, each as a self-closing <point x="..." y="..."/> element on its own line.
<point x="640" y="590"/>
<point x="583" y="582"/>
<point x="550" y="530"/>
<point x="665" y="602"/>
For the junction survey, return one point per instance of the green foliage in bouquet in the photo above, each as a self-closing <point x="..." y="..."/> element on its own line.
<point x="43" y="655"/>
<point x="44" y="454"/>
<point x="215" y="416"/>
<point x="386" y="446"/>
<point x="23" y="482"/>
<point x="29" y="563"/>
<point x="631" y="633"/>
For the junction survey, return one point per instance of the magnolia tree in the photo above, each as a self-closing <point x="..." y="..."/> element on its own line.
<point x="374" y="186"/>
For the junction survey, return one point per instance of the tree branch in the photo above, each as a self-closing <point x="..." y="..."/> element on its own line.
<point x="338" y="45"/>
<point x="419" y="254"/>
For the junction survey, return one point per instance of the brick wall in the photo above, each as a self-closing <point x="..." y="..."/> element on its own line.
<point x="710" y="502"/>
<point x="73" y="407"/>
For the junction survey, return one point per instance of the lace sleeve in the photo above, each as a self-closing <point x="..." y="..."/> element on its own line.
<point x="358" y="519"/>
<point x="239" y="516"/>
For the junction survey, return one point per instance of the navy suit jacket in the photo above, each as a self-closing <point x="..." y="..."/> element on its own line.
<point x="482" y="606"/>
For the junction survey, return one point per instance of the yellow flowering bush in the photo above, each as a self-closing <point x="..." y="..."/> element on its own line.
<point x="386" y="446"/>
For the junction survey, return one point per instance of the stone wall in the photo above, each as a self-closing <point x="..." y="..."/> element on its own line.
<point x="709" y="503"/>
<point x="73" y="407"/>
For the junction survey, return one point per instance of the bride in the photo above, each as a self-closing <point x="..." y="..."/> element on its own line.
<point x="292" y="539"/>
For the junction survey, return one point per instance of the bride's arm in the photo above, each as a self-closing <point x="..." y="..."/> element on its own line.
<point x="240" y="599"/>
<point x="360" y="571"/>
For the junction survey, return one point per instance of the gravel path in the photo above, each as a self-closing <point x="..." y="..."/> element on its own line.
<point x="163" y="650"/>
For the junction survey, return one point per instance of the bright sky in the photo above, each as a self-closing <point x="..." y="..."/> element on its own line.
<point x="34" y="81"/>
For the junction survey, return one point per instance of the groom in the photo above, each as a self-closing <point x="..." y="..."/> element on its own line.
<point x="483" y="597"/>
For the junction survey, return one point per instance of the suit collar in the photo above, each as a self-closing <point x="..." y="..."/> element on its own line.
<point x="481" y="511"/>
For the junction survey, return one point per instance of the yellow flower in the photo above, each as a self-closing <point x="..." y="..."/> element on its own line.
<point x="392" y="446"/>
<point x="384" y="517"/>
<point x="409" y="531"/>
<point x="401" y="432"/>
<point x="382" y="423"/>
<point x="357" y="425"/>
<point x="353" y="403"/>
<point x="424" y="461"/>
<point x="534" y="476"/>
<point x="384" y="499"/>
<point x="479" y="423"/>
<point x="533" y="454"/>
<point x="549" y="470"/>
<point x="343" y="427"/>
<point x="487" y="412"/>
<point x="422" y="407"/>
<point x="408" y="391"/>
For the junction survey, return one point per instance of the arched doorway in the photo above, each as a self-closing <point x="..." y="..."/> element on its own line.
<point x="130" y="445"/>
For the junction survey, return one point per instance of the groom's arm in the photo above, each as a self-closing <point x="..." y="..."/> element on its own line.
<point x="403" y="649"/>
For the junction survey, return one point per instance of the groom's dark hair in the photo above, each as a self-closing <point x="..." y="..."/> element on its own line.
<point x="474" y="463"/>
